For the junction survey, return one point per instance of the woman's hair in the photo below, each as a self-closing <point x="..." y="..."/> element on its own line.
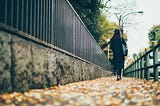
<point x="116" y="33"/>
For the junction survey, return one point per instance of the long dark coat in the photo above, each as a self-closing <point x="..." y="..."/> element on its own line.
<point x="118" y="57"/>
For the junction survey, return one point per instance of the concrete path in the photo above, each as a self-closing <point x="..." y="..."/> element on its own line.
<point x="99" y="92"/>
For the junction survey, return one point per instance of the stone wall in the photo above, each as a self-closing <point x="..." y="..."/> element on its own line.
<point x="27" y="65"/>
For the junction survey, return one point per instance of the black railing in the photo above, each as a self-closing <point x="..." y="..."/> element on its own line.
<point x="54" y="22"/>
<point x="146" y="66"/>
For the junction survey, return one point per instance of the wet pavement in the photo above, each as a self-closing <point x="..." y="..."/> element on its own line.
<point x="99" y="92"/>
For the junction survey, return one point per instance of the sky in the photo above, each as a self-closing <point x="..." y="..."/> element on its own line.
<point x="138" y="35"/>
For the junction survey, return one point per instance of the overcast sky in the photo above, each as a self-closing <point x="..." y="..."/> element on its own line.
<point x="137" y="36"/>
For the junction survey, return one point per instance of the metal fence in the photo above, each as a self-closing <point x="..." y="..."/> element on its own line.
<point x="147" y="66"/>
<point x="54" y="22"/>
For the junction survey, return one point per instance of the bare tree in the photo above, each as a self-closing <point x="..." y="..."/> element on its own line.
<point x="121" y="11"/>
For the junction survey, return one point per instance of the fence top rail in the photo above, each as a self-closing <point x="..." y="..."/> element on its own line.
<point x="151" y="66"/>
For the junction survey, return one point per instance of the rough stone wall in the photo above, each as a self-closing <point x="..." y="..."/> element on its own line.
<point x="26" y="65"/>
<point x="5" y="62"/>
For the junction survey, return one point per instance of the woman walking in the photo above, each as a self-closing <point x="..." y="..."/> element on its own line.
<point x="118" y="57"/>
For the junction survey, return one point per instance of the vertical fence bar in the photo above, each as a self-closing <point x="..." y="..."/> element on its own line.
<point x="46" y="21"/>
<point x="143" y="70"/>
<point x="137" y="68"/>
<point x="22" y="16"/>
<point x="34" y="18"/>
<point x="14" y="20"/>
<point x="17" y="14"/>
<point x="140" y="70"/>
<point x="6" y="9"/>
<point x="130" y="72"/>
<point x="76" y="27"/>
<point x="74" y="35"/>
<point x="132" y="69"/>
<point x="145" y="65"/>
<point x="37" y="19"/>
<point x="49" y="21"/>
<point x="63" y="24"/>
<point x="2" y="11"/>
<point x="41" y="21"/>
<point x="147" y="73"/>
<point x="133" y="65"/>
<point x="134" y="75"/>
<point x="26" y="16"/>
<point x="79" y="37"/>
<point x="31" y="9"/>
<point x="8" y="13"/>
<point x="1" y="16"/>
<point x="53" y="20"/>
<point x="142" y="66"/>
<point x="155" y="61"/>
<point x="12" y="13"/>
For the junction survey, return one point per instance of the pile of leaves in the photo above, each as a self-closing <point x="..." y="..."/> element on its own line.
<point x="99" y="92"/>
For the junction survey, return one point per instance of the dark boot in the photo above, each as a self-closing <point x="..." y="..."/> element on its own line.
<point x="120" y="74"/>
<point x="118" y="77"/>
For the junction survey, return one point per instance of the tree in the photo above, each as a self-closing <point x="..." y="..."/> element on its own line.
<point x="89" y="11"/>
<point x="119" y="10"/>
<point x="154" y="36"/>
<point x="154" y="33"/>
<point x="106" y="29"/>
<point x="134" y="55"/>
<point x="129" y="61"/>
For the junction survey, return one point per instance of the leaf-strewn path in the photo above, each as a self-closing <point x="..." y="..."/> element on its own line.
<point x="98" y="92"/>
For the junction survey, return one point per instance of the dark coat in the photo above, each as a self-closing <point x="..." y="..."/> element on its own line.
<point x="118" y="57"/>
